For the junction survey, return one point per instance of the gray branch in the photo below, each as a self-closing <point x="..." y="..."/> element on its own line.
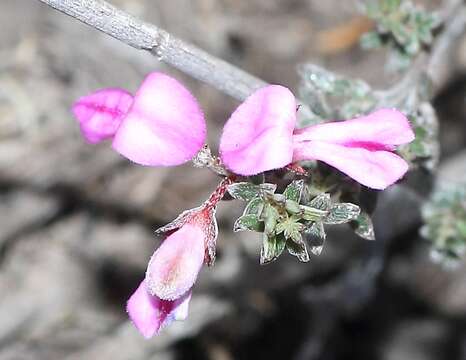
<point x="218" y="73"/>
<point x="185" y="57"/>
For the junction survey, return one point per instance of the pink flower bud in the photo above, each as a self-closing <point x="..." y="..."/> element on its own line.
<point x="100" y="114"/>
<point x="174" y="267"/>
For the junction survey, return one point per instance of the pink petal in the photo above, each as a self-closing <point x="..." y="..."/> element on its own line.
<point x="164" y="127"/>
<point x="150" y="314"/>
<point x="174" y="267"/>
<point x="100" y="113"/>
<point x="375" y="169"/>
<point x="181" y="308"/>
<point x="258" y="135"/>
<point x="384" y="126"/>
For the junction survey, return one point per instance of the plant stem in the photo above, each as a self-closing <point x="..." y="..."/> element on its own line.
<point x="218" y="193"/>
<point x="189" y="59"/>
<point x="185" y="57"/>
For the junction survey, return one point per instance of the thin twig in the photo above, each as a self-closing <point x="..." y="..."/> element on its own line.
<point x="189" y="59"/>
<point x="225" y="77"/>
<point x="185" y="57"/>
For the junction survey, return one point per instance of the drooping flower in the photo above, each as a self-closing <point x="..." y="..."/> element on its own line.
<point x="164" y="295"/>
<point x="259" y="137"/>
<point x="162" y="125"/>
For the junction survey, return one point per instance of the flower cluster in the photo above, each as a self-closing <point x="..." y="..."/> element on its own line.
<point x="163" y="125"/>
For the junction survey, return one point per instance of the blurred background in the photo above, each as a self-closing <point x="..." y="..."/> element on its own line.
<point x="77" y="221"/>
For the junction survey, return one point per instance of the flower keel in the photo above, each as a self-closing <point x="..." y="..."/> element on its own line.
<point x="150" y="313"/>
<point x="361" y="147"/>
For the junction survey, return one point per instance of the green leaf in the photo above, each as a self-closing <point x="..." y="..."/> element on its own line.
<point x="246" y="191"/>
<point x="426" y="23"/>
<point x="294" y="190"/>
<point x="321" y="202"/>
<point x="423" y="151"/>
<point x="270" y="217"/>
<point x="364" y="227"/>
<point x="268" y="188"/>
<point x="413" y="45"/>
<point x="298" y="249"/>
<point x="371" y="40"/>
<point x="391" y="5"/>
<point x="317" y="230"/>
<point x="398" y="60"/>
<point x="254" y="207"/>
<point x="315" y="236"/>
<point x="418" y="146"/>
<point x="461" y="227"/>
<point x="290" y="227"/>
<point x="280" y="227"/>
<point x="295" y="236"/>
<point x="292" y="207"/>
<point x="248" y="222"/>
<point x="401" y="33"/>
<point x="312" y="214"/>
<point x="372" y="9"/>
<point x="342" y="213"/>
<point x="279" y="198"/>
<point x="272" y="247"/>
<point x="317" y="249"/>
<point x="445" y="223"/>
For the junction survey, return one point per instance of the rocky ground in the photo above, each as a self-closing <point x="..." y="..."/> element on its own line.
<point x="77" y="221"/>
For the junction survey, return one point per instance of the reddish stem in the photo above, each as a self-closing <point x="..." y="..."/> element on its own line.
<point x="219" y="192"/>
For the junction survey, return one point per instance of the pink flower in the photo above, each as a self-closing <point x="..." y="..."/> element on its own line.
<point x="163" y="296"/>
<point x="259" y="137"/>
<point x="362" y="148"/>
<point x="162" y="125"/>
